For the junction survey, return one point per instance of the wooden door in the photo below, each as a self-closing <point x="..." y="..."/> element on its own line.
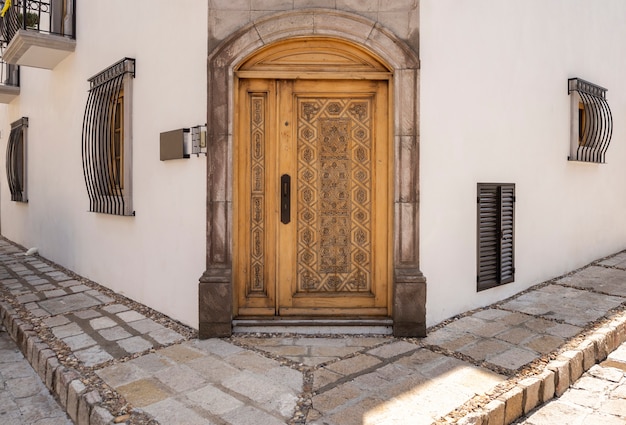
<point x="312" y="198"/>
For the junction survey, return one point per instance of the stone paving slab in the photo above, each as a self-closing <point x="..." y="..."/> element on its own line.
<point x="573" y="306"/>
<point x="600" y="279"/>
<point x="502" y="338"/>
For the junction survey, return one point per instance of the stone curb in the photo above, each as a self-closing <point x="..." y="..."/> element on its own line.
<point x="553" y="381"/>
<point x="82" y="406"/>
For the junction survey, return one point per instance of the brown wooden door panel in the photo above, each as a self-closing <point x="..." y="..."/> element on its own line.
<point x="333" y="257"/>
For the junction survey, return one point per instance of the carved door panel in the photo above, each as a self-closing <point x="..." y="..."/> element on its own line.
<point x="314" y="200"/>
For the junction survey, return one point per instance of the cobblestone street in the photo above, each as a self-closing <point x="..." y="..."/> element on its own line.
<point x="24" y="399"/>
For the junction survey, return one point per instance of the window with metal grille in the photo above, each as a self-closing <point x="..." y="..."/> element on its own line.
<point x="591" y="121"/>
<point x="496" y="215"/>
<point x="16" y="161"/>
<point x="107" y="140"/>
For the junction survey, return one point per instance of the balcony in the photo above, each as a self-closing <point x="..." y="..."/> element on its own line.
<point x="44" y="38"/>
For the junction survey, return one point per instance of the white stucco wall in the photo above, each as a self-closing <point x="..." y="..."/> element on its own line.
<point x="157" y="256"/>
<point x="495" y="108"/>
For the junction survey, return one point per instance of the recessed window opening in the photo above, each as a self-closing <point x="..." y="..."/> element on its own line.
<point x="107" y="140"/>
<point x="16" y="161"/>
<point x="591" y="121"/>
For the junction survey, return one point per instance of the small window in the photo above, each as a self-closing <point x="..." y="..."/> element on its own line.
<point x="496" y="214"/>
<point x="591" y="121"/>
<point x="16" y="161"/>
<point x="107" y="140"/>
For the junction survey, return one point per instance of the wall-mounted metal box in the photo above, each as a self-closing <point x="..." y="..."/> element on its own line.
<point x="181" y="143"/>
<point x="173" y="144"/>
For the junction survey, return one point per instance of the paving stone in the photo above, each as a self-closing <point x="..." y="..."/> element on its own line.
<point x="606" y="373"/>
<point x="79" y="288"/>
<point x="353" y="365"/>
<point x="87" y="314"/>
<point x="115" y="308"/>
<point x="217" y="346"/>
<point x="516" y="335"/>
<point x="146" y="325"/>
<point x="54" y="293"/>
<point x="102" y="323"/>
<point x="130" y="316"/>
<point x="152" y="363"/>
<point x="513" y="358"/>
<point x="122" y="374"/>
<point x="68" y="283"/>
<point x="135" y="344"/>
<point x="544" y="344"/>
<point x="249" y="415"/>
<point x="170" y="411"/>
<point x="64" y="331"/>
<point x="79" y="341"/>
<point x="323" y="377"/>
<point x="181" y="353"/>
<point x="392" y="350"/>
<point x="180" y="378"/>
<point x="484" y="348"/>
<point x="165" y="336"/>
<point x="213" y="369"/>
<point x="26" y="298"/>
<point x="68" y="303"/>
<point x="271" y="395"/>
<point x="55" y="321"/>
<point x="214" y="400"/>
<point x="93" y="356"/>
<point x="144" y="392"/>
<point x="250" y="361"/>
<point x="573" y="306"/>
<point x="601" y="279"/>
<point x="557" y="413"/>
<point x="114" y="334"/>
<point x="24" y="387"/>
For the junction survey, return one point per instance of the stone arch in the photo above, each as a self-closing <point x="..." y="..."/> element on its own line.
<point x="215" y="288"/>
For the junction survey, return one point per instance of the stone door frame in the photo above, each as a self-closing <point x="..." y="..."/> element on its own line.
<point x="216" y="285"/>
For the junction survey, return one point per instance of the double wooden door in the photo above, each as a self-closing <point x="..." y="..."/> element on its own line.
<point x="312" y="198"/>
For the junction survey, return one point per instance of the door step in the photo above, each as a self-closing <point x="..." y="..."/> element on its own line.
<point x="315" y="326"/>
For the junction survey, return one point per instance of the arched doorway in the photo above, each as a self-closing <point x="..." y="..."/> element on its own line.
<point x="312" y="175"/>
<point x="312" y="193"/>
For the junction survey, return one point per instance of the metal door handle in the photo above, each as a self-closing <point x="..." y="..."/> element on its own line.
<point x="285" y="198"/>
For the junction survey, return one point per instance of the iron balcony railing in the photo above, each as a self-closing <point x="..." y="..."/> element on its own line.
<point x="55" y="17"/>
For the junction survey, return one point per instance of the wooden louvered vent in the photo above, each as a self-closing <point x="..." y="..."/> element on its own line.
<point x="496" y="213"/>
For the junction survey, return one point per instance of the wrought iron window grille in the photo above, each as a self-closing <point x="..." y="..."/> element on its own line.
<point x="55" y="17"/>
<point x="591" y="121"/>
<point x="107" y="140"/>
<point x="16" y="161"/>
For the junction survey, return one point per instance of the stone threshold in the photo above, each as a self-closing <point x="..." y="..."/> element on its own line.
<point x="303" y="326"/>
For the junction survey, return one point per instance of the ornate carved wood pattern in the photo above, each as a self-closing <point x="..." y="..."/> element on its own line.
<point x="257" y="185"/>
<point x="334" y="195"/>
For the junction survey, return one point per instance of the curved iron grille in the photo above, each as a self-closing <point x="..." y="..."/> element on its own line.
<point x="106" y="192"/>
<point x="596" y="122"/>
<point x="16" y="161"/>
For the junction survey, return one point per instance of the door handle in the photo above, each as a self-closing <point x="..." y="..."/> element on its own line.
<point x="285" y="198"/>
